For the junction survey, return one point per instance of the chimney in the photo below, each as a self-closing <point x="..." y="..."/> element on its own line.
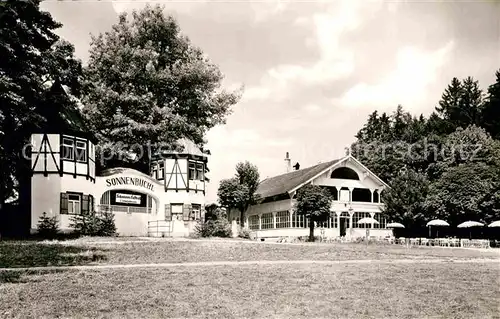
<point x="287" y="162"/>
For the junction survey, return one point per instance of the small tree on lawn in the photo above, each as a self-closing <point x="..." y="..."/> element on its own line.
<point x="240" y="191"/>
<point x="107" y="225"/>
<point x="48" y="227"/>
<point x="314" y="203"/>
<point x="94" y="224"/>
<point x="86" y="223"/>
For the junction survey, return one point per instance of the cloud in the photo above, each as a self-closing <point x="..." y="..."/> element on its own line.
<point x="335" y="62"/>
<point x="414" y="71"/>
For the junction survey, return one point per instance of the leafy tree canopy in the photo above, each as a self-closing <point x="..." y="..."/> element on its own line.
<point x="146" y="83"/>
<point x="32" y="57"/>
<point x="239" y="192"/>
<point x="313" y="202"/>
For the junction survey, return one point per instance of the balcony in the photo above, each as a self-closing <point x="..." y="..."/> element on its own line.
<point x="343" y="206"/>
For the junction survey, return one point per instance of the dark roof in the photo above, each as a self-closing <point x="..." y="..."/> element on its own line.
<point x="283" y="183"/>
<point x="61" y="116"/>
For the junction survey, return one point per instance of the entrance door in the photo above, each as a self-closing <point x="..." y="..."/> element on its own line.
<point x="344" y="224"/>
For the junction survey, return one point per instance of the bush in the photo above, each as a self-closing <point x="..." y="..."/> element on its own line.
<point x="214" y="228"/>
<point x="94" y="224"/>
<point x="244" y="233"/>
<point x="48" y="227"/>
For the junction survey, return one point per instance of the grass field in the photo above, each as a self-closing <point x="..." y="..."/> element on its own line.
<point x="448" y="288"/>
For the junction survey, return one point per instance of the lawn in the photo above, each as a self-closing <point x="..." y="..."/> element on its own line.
<point x="352" y="290"/>
<point x="81" y="252"/>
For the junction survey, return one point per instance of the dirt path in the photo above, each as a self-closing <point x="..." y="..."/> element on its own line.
<point x="259" y="262"/>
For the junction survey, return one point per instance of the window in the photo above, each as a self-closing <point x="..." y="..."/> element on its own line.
<point x="382" y="221"/>
<point x="195" y="212"/>
<point x="192" y="171"/>
<point x="331" y="222"/>
<point x="154" y="171"/>
<point x="298" y="220"/>
<point x="357" y="217"/>
<point x="74" y="204"/>
<point x="176" y="210"/>
<point x="253" y="222"/>
<point x="68" y="148"/>
<point x="283" y="219"/>
<point x="267" y="221"/>
<point x="161" y="170"/>
<point x="81" y="151"/>
<point x="199" y="171"/>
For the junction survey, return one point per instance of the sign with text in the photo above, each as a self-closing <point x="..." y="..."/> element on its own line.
<point x="128" y="198"/>
<point x="135" y="181"/>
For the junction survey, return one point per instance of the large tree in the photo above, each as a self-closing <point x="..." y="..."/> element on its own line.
<point x="239" y="192"/>
<point x="147" y="84"/>
<point x="32" y="57"/>
<point x="491" y="110"/>
<point x="461" y="104"/>
<point x="314" y="203"/>
<point x="404" y="200"/>
<point x="458" y="195"/>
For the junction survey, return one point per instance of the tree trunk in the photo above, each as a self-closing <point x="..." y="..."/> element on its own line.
<point x="311" y="230"/>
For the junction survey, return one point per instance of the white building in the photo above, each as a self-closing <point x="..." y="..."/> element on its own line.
<point x="356" y="192"/>
<point x="169" y="202"/>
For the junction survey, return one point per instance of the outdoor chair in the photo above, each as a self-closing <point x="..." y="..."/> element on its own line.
<point x="424" y="242"/>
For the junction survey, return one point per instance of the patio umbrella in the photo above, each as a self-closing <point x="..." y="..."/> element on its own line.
<point x="365" y="221"/>
<point x="469" y="224"/>
<point x="495" y="224"/>
<point x="436" y="222"/>
<point x="395" y="225"/>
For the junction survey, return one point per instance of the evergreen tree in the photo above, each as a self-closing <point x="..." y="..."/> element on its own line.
<point x="461" y="104"/>
<point x="491" y="110"/>
<point x="48" y="227"/>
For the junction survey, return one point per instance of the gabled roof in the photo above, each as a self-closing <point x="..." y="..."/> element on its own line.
<point x="283" y="183"/>
<point x="292" y="181"/>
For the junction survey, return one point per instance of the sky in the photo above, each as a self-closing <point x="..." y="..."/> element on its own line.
<point x="314" y="70"/>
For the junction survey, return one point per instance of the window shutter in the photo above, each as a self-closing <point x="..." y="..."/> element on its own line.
<point x="64" y="203"/>
<point x="186" y="211"/>
<point x="85" y="204"/>
<point x="91" y="203"/>
<point x="168" y="212"/>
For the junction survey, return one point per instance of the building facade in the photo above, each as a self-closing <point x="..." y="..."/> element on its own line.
<point x="356" y="192"/>
<point x="168" y="202"/>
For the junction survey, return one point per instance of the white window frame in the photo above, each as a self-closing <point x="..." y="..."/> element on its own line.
<point x="192" y="171"/>
<point x="195" y="211"/>
<point x="199" y="171"/>
<point x="161" y="171"/>
<point x="68" y="142"/>
<point x="173" y="211"/>
<point x="253" y="222"/>
<point x="74" y="205"/>
<point x="82" y="149"/>
<point x="267" y="221"/>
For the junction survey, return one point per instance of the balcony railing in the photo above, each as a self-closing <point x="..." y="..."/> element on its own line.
<point x="125" y="209"/>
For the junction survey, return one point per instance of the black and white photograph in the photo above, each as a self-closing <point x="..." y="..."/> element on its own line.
<point x="250" y="159"/>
